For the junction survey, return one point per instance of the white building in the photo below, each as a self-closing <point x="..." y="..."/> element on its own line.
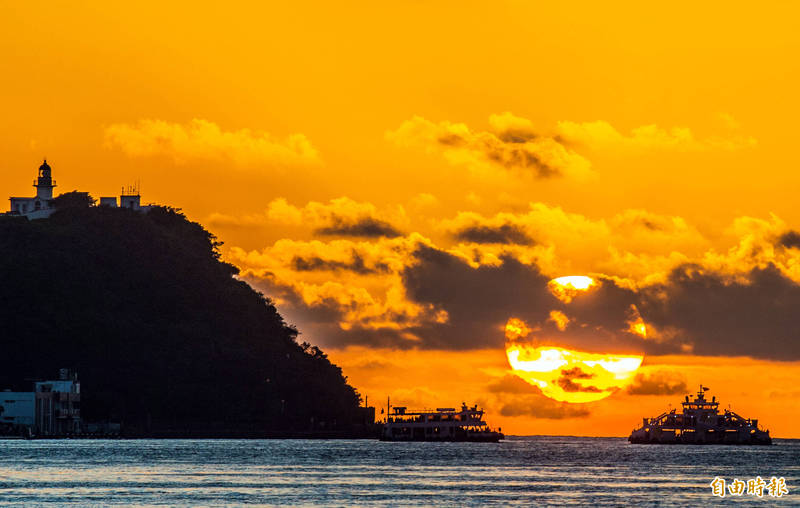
<point x="41" y="206"/>
<point x="58" y="405"/>
<point x="17" y="408"/>
<point x="51" y="409"/>
<point x="129" y="198"/>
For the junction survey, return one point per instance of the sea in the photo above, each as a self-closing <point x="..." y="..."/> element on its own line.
<point x="529" y="471"/>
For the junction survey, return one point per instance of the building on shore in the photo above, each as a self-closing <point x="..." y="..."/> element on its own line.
<point x="42" y="205"/>
<point x="17" y="411"/>
<point x="51" y="409"/>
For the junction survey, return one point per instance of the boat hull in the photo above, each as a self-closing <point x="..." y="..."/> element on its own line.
<point x="483" y="437"/>
<point x="654" y="436"/>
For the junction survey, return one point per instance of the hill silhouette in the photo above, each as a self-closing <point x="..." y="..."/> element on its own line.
<point x="163" y="336"/>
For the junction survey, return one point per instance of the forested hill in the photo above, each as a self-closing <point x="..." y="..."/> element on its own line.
<point x="163" y="336"/>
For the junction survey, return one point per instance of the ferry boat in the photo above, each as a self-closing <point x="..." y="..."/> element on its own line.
<point x="700" y="423"/>
<point x="443" y="424"/>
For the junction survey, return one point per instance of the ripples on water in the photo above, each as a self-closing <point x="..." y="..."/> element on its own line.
<point x="528" y="471"/>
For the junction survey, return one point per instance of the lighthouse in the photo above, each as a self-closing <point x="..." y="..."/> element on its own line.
<point x="41" y="206"/>
<point x="44" y="183"/>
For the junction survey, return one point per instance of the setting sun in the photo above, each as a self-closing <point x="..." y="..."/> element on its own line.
<point x="564" y="374"/>
<point x="572" y="376"/>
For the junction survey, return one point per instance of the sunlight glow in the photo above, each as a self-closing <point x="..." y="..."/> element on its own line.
<point x="575" y="281"/>
<point x="566" y="288"/>
<point x="563" y="374"/>
<point x="572" y="376"/>
<point x="560" y="319"/>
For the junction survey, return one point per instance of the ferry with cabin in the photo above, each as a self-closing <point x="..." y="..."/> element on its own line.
<point x="700" y="423"/>
<point x="443" y="424"/>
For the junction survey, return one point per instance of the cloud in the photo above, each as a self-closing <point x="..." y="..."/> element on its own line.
<point x="602" y="135"/>
<point x="376" y="254"/>
<point x="514" y="144"/>
<point x="477" y="300"/>
<point x="518" y="398"/>
<point x="415" y="295"/>
<point x="418" y="295"/>
<point x="204" y="140"/>
<point x="790" y="240"/>
<point x="407" y="292"/>
<point x="658" y="383"/>
<point x="343" y="313"/>
<point x="512" y="384"/>
<point x="342" y="291"/>
<point x="539" y="406"/>
<point x="567" y="381"/>
<point x="505" y="234"/>
<point x="632" y="244"/>
<point x="316" y="263"/>
<point x="511" y="145"/>
<point x="340" y="217"/>
<point x="368" y="227"/>
<point x="713" y="313"/>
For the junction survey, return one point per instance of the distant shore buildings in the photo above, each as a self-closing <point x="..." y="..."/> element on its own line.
<point x="51" y="409"/>
<point x="42" y="205"/>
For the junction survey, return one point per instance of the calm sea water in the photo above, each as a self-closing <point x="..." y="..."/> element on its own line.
<point x="528" y="471"/>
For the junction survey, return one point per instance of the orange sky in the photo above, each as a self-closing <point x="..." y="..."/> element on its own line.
<point x="403" y="178"/>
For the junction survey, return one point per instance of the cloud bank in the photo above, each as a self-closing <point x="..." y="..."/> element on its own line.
<point x="511" y="144"/>
<point x="205" y="140"/>
<point x="384" y="287"/>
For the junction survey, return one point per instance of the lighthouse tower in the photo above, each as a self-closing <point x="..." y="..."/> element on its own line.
<point x="40" y="206"/>
<point x="44" y="183"/>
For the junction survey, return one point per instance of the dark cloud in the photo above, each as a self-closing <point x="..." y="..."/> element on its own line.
<point x="374" y="365"/>
<point x="528" y="400"/>
<point x="357" y="265"/>
<point x="516" y="136"/>
<point x="319" y="322"/>
<point x="695" y="310"/>
<point x="576" y="373"/>
<point x="571" y="386"/>
<point x="292" y="306"/>
<point x="543" y="407"/>
<point x="658" y="383"/>
<point x="567" y="383"/>
<point x="367" y="227"/>
<point x="790" y="239"/>
<point x="512" y="384"/>
<point x="537" y="405"/>
<point x="451" y="139"/>
<point x="721" y="316"/>
<point x="478" y="301"/>
<point x="505" y="234"/>
<point x="650" y="225"/>
<point x="519" y="156"/>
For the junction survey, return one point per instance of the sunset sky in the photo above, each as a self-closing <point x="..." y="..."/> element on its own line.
<point x="402" y="179"/>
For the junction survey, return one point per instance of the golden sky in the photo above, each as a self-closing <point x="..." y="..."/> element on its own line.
<point x="404" y="178"/>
